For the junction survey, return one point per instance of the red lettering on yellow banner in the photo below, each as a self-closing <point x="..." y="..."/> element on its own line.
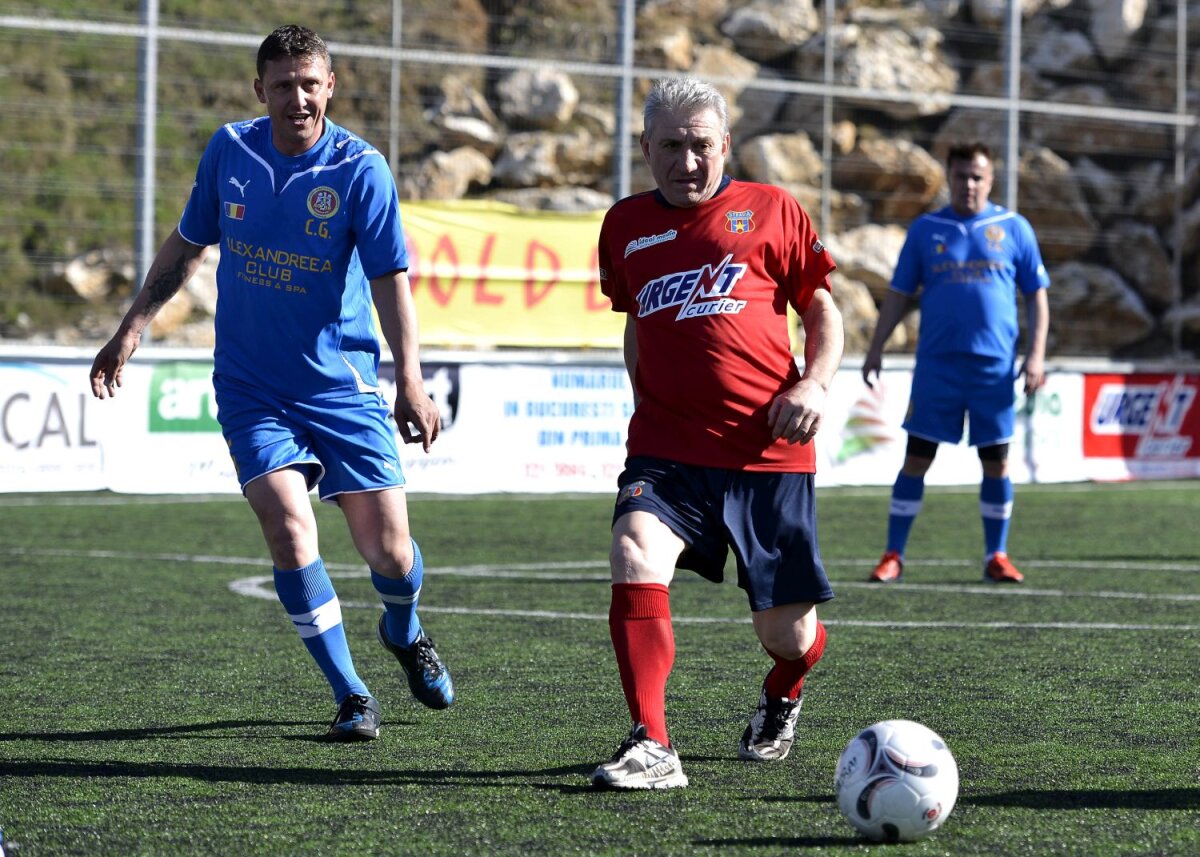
<point x="535" y="294"/>
<point x="445" y="245"/>
<point x="482" y="295"/>
<point x="442" y="272"/>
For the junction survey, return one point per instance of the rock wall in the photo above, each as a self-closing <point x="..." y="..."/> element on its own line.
<point x="1120" y="233"/>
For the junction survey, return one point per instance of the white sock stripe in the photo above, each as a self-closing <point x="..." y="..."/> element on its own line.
<point x="996" y="511"/>
<point x="400" y="599"/>
<point x="905" y="508"/>
<point x="317" y="622"/>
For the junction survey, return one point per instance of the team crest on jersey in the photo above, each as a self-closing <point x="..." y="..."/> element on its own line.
<point x="235" y="210"/>
<point x="738" y="222"/>
<point x="633" y="489"/>
<point x="323" y="202"/>
<point x="995" y="237"/>
<point x="702" y="291"/>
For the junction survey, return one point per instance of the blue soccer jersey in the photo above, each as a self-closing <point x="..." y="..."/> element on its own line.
<point x="969" y="270"/>
<point x="299" y="238"/>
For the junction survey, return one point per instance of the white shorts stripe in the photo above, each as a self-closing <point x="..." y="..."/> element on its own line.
<point x="317" y="622"/>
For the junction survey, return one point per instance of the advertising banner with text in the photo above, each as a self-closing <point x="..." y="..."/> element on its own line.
<point x="485" y="275"/>
<point x="47" y="439"/>
<point x="1142" y="426"/>
<point x="536" y="427"/>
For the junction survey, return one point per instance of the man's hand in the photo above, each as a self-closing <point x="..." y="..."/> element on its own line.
<point x="418" y="419"/>
<point x="1034" y="371"/>
<point x="872" y="364"/>
<point x="795" y="415"/>
<point x="109" y="364"/>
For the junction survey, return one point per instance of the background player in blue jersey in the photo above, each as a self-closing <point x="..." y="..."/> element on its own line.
<point x="969" y="259"/>
<point x="308" y="222"/>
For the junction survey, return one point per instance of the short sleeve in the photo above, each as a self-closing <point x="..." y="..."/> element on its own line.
<point x="378" y="230"/>
<point x="201" y="221"/>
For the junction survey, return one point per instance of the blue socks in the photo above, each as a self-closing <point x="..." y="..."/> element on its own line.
<point x="995" y="507"/>
<point x="308" y="597"/>
<point x="907" y="495"/>
<point x="400" y="601"/>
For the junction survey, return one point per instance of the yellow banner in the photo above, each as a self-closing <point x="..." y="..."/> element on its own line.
<point x="486" y="274"/>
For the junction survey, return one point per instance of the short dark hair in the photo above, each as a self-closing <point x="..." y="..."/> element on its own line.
<point x="292" y="40"/>
<point x="968" y="151"/>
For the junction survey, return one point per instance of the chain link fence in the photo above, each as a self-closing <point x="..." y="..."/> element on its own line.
<point x="1090" y="106"/>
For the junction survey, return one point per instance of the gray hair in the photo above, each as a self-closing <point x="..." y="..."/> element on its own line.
<point x="684" y="95"/>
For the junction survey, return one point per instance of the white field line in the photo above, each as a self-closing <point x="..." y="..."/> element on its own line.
<point x="531" y="570"/>
<point x="262" y="586"/>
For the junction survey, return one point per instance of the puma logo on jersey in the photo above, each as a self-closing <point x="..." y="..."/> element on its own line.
<point x="699" y="292"/>
<point x="241" y="186"/>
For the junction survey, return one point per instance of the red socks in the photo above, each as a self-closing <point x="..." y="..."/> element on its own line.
<point x="639" y="620"/>
<point x="786" y="679"/>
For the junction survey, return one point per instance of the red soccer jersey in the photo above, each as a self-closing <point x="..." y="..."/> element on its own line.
<point x="709" y="288"/>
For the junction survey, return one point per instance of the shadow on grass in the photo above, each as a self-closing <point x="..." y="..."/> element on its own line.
<point x="783" y="842"/>
<point x="190" y="731"/>
<point x="71" y="769"/>
<point x="1181" y="798"/>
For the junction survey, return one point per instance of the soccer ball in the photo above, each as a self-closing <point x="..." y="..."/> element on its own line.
<point x="896" y="781"/>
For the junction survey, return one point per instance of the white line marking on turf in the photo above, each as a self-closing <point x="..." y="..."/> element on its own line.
<point x="529" y="570"/>
<point x="263" y="586"/>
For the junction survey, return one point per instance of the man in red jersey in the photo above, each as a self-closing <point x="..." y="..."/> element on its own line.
<point x="720" y="451"/>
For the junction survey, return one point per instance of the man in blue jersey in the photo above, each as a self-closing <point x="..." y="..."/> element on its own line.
<point x="969" y="259"/>
<point x="308" y="222"/>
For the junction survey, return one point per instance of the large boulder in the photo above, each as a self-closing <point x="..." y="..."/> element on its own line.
<point x="899" y="178"/>
<point x="886" y="53"/>
<point x="1053" y="201"/>
<point x="1093" y="311"/>
<point x="766" y="30"/>
<point x="1138" y="255"/>
<point x="543" y="98"/>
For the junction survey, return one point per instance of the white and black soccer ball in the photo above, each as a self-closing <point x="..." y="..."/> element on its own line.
<point x="896" y="781"/>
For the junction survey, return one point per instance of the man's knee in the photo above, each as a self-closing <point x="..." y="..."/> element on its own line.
<point x="994" y="460"/>
<point x="788" y="631"/>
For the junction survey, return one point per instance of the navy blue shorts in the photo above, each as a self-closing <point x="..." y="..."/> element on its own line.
<point x="769" y="519"/>
<point x="344" y="445"/>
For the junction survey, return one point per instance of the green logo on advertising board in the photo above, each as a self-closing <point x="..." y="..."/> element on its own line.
<point x="182" y="398"/>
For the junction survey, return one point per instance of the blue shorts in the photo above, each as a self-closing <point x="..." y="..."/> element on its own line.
<point x="769" y="519"/>
<point x="343" y="445"/>
<point x="945" y="389"/>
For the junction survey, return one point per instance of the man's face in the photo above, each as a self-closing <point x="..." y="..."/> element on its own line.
<point x="686" y="153"/>
<point x="970" y="184"/>
<point x="295" y="90"/>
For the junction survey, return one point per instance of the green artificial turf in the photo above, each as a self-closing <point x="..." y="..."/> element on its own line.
<point x="154" y="705"/>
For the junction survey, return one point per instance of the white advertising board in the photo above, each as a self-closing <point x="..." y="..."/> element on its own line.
<point x="48" y="440"/>
<point x="553" y="426"/>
